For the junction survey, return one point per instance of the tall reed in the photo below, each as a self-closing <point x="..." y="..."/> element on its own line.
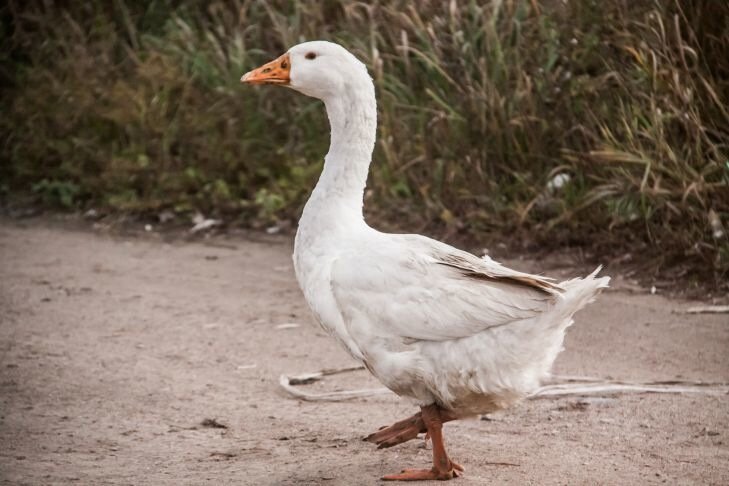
<point x="484" y="106"/>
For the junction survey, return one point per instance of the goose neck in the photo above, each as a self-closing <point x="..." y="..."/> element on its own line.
<point x="353" y="121"/>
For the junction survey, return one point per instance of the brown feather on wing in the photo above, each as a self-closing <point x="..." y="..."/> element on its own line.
<point x="470" y="270"/>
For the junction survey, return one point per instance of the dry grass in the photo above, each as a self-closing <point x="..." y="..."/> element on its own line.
<point x="136" y="106"/>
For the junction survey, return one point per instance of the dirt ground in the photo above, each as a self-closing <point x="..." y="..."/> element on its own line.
<point x="132" y="360"/>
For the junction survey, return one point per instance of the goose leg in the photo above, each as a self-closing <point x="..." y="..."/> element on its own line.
<point x="443" y="467"/>
<point x="405" y="430"/>
<point x="398" y="432"/>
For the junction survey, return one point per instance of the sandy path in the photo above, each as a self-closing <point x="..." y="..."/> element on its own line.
<point x="114" y="350"/>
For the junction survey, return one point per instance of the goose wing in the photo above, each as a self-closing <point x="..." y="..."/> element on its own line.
<point x="415" y="288"/>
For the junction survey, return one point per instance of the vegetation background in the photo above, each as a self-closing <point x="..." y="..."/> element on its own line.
<point x="558" y="123"/>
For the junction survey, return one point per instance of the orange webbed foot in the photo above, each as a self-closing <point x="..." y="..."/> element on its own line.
<point x="397" y="433"/>
<point x="425" y="474"/>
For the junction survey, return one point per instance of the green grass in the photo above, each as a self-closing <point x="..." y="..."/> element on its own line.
<point x="136" y="106"/>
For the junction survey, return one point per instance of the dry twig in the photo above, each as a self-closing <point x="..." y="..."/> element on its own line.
<point x="564" y="385"/>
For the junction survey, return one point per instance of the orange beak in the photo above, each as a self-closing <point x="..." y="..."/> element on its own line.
<point x="277" y="71"/>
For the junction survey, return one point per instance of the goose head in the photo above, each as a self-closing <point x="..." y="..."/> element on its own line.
<point x="319" y="69"/>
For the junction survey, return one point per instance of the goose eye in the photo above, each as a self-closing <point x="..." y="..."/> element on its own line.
<point x="310" y="55"/>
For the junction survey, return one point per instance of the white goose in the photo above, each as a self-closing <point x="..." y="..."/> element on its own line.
<point x="458" y="334"/>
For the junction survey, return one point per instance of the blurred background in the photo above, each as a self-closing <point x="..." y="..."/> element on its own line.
<point x="540" y="124"/>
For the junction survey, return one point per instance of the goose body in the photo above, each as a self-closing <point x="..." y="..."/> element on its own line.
<point x="458" y="334"/>
<point x="434" y="323"/>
